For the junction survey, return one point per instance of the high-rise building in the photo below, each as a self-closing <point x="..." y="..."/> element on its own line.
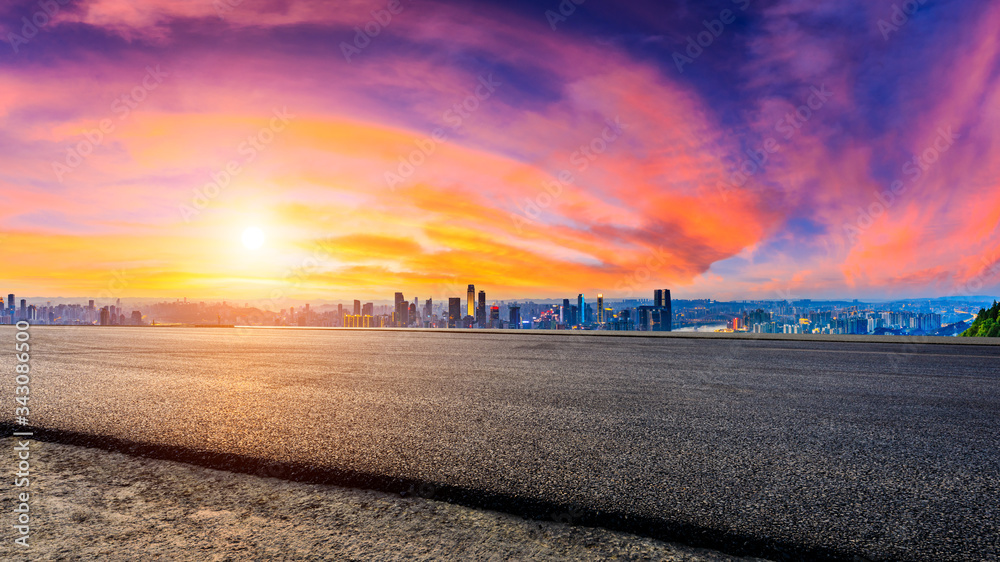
<point x="357" y="308"/>
<point x="515" y="317"/>
<point x="10" y="304"/>
<point x="580" y="309"/>
<point x="400" y="309"/>
<point x="667" y="317"/>
<point x="656" y="318"/>
<point x="454" y="311"/>
<point x="494" y="317"/>
<point x="600" y="308"/>
<point x="24" y="309"/>
<point x="564" y="317"/>
<point x="471" y="301"/>
<point x="481" y="310"/>
<point x="368" y="309"/>
<point x="428" y="309"/>
<point x="644" y="321"/>
<point x="411" y="313"/>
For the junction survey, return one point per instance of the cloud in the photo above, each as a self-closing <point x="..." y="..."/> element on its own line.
<point x="531" y="190"/>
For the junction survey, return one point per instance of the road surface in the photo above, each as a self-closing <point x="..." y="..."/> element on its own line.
<point x="792" y="449"/>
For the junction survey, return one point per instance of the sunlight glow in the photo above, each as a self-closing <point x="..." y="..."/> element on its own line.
<point x="253" y="238"/>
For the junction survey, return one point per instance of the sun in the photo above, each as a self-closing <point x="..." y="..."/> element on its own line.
<point x="253" y="238"/>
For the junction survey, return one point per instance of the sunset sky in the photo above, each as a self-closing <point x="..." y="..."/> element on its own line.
<point x="601" y="149"/>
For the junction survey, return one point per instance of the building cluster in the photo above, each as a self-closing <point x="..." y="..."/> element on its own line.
<point x="474" y="312"/>
<point x="69" y="314"/>
<point x="658" y="314"/>
<point x="847" y="321"/>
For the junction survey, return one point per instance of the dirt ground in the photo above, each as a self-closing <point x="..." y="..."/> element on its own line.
<point x="89" y="504"/>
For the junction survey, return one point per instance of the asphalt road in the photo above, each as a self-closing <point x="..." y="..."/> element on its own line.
<point x="787" y="449"/>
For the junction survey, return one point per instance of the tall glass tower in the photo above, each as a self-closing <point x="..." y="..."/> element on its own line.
<point x="471" y="301"/>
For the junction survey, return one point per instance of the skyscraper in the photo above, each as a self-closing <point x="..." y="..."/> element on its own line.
<point x="644" y="318"/>
<point x="428" y="309"/>
<point x="580" y="308"/>
<point x="515" y="317"/>
<point x="600" y="308"/>
<point x="24" y="309"/>
<point x="357" y="308"/>
<point x="481" y="310"/>
<point x="454" y="311"/>
<point x="10" y="304"/>
<point x="400" y="310"/>
<point x="471" y="301"/>
<point x="667" y="317"/>
<point x="656" y="318"/>
<point x="494" y="317"/>
<point x="565" y="317"/>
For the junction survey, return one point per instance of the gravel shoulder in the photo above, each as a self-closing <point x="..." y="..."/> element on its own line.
<point x="90" y="504"/>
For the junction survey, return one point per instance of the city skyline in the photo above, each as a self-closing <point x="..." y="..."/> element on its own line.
<point x="267" y="303"/>
<point x="935" y="317"/>
<point x="697" y="145"/>
<point x="647" y="294"/>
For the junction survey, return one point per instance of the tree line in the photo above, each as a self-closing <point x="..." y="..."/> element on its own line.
<point x="986" y="324"/>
